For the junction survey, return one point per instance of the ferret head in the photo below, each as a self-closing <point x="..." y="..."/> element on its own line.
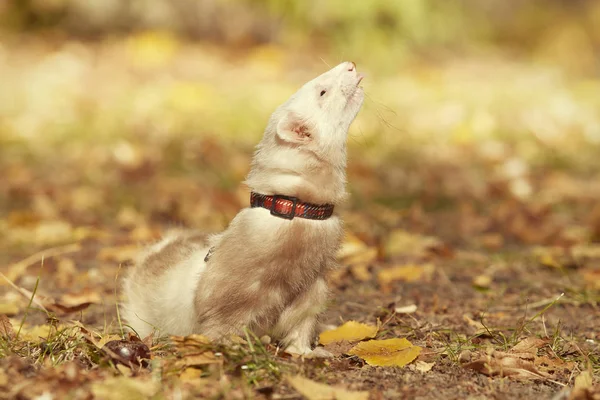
<point x="320" y="113"/>
<point x="305" y="139"/>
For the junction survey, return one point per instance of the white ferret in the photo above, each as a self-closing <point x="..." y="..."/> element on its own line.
<point x="266" y="271"/>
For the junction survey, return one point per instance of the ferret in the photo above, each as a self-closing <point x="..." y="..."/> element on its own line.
<point x="266" y="272"/>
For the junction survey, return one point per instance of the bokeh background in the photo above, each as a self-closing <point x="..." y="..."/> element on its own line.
<point x="481" y="123"/>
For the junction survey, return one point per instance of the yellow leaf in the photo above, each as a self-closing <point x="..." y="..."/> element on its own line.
<point x="366" y="256"/>
<point x="105" y="339"/>
<point x="406" y="273"/>
<point x="318" y="391"/>
<point x="9" y="308"/>
<point x="583" y="382"/>
<point x="401" y="242"/>
<point x="194" y="360"/>
<point x="482" y="281"/>
<point x="361" y="272"/>
<point x="351" y="331"/>
<point x="350" y="246"/>
<point x="386" y="353"/>
<point x="191" y="375"/>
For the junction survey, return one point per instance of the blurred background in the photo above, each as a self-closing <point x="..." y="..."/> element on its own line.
<point x="481" y="123"/>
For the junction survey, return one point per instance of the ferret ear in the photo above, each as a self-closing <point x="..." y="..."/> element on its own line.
<point x="293" y="129"/>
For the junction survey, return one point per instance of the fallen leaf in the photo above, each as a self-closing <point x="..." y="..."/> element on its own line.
<point x="351" y="246"/>
<point x="6" y="328"/>
<point x="482" y="281"/>
<point x="105" y="339"/>
<point x="9" y="308"/>
<point x="386" y="353"/>
<point x="582" y="389"/>
<point x="361" y="272"/>
<point x="422" y="366"/>
<point x="528" y="345"/>
<point x="319" y="391"/>
<point x="198" y="359"/>
<point x="406" y="273"/>
<point x="479" y="328"/>
<point x="401" y="242"/>
<point x="73" y="302"/>
<point x="498" y="363"/>
<point x="351" y="331"/>
<point x="191" y="375"/>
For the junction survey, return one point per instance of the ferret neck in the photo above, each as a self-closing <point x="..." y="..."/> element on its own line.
<point x="301" y="177"/>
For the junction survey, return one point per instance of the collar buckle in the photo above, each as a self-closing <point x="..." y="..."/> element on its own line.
<point x="286" y="215"/>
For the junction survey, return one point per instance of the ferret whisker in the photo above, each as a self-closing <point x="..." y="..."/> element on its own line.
<point x="382" y="118"/>
<point x="387" y="108"/>
<point x="324" y="62"/>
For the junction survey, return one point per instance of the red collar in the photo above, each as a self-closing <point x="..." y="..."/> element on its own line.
<point x="289" y="207"/>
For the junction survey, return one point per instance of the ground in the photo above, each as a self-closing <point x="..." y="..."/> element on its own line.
<point x="481" y="250"/>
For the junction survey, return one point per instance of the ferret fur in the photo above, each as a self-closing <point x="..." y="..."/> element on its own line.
<point x="265" y="273"/>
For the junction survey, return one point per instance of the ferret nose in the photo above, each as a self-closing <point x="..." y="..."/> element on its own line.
<point x="352" y="66"/>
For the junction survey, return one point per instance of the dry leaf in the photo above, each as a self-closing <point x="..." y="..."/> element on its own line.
<point x="422" y="366"/>
<point x="401" y="242"/>
<point x="351" y="331"/>
<point x="318" y="391"/>
<point x="9" y="308"/>
<point x="198" y="359"/>
<point x="361" y="272"/>
<point x="582" y="390"/>
<point x="406" y="273"/>
<point x="72" y="302"/>
<point x="351" y="246"/>
<point x="6" y="328"/>
<point x="191" y="375"/>
<point x="498" y="363"/>
<point x="480" y="329"/>
<point x="528" y="345"/>
<point x="482" y="281"/>
<point x="386" y="353"/>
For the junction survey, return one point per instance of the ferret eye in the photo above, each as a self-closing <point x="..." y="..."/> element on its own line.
<point x="323" y="92"/>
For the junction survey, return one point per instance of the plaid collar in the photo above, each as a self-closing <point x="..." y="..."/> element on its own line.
<point x="289" y="207"/>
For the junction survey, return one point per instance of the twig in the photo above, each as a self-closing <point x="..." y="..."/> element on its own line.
<point x="19" y="267"/>
<point x="26" y="293"/>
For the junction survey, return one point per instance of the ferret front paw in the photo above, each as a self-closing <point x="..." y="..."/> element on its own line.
<point x="298" y="350"/>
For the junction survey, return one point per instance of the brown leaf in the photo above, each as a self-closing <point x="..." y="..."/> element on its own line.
<point x="498" y="363"/>
<point x="6" y="328"/>
<point x="529" y="345"/>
